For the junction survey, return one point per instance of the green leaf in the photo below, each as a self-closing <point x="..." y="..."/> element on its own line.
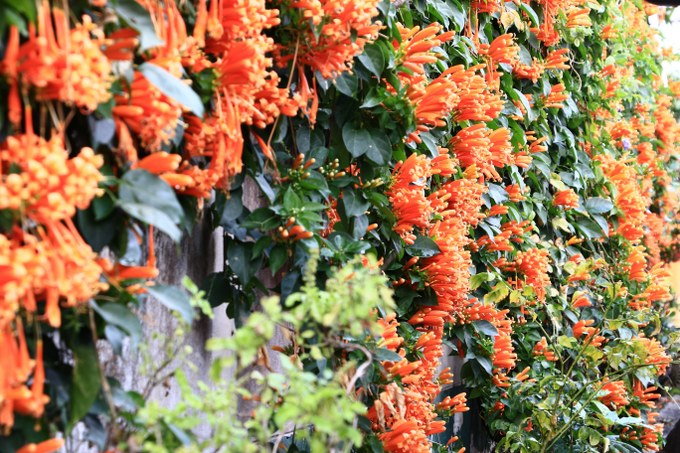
<point x="354" y="204"/>
<point x="216" y="289"/>
<point x="588" y="228"/>
<point x="139" y="19"/>
<point x="174" y="298"/>
<point x="277" y="258"/>
<point x="85" y="381"/>
<point x="598" y="205"/>
<point x="347" y="84"/>
<point x="261" y="218"/>
<point x="499" y="292"/>
<point x="120" y="316"/>
<point x="238" y="259"/>
<point x="423" y="246"/>
<point x="155" y="217"/>
<point x="233" y="208"/>
<point x="525" y="103"/>
<point x="373" y="59"/>
<point x="148" y="198"/>
<point x="485" y="363"/>
<point x="477" y="279"/>
<point x="372" y="142"/>
<point x="385" y="355"/>
<point x="530" y="12"/>
<point x="486" y="328"/>
<point x="173" y="87"/>
<point x="291" y="200"/>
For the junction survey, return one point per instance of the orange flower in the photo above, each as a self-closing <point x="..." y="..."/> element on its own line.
<point x="556" y="97"/>
<point x="646" y="396"/>
<point x="580" y="300"/>
<point x="149" y="113"/>
<point x="497" y="209"/>
<point x="433" y="100"/>
<point x="582" y="327"/>
<point x="333" y="33"/>
<point x="579" y="18"/>
<point x="557" y="59"/>
<point x="486" y="6"/>
<point x="616" y="393"/>
<point x="484" y="148"/>
<point x="636" y="264"/>
<point x="47" y="446"/>
<point x="534" y="264"/>
<point x="541" y="348"/>
<point x="501" y="50"/>
<point x="455" y="405"/>
<point x="652" y="437"/>
<point x="629" y="198"/>
<point x="514" y="193"/>
<point x="503" y="352"/>
<point x="66" y="64"/>
<point x="49" y="185"/>
<point x="566" y="198"/>
<point x="408" y="200"/>
<point x="9" y="67"/>
<point x="656" y="354"/>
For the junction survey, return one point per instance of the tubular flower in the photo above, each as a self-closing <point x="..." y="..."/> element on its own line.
<point x="532" y="72"/>
<point x="655" y="353"/>
<point x="65" y="64"/>
<point x="49" y="185"/>
<point x="148" y="112"/>
<point x="121" y="44"/>
<point x="475" y="101"/>
<point x="503" y="352"/>
<point x="405" y="417"/>
<point x="483" y="148"/>
<point x="566" y="198"/>
<point x="16" y="396"/>
<point x="579" y="18"/>
<point x="628" y="199"/>
<point x="501" y="50"/>
<point x="556" y="97"/>
<point x="582" y="327"/>
<point x="407" y="196"/>
<point x="9" y="67"/>
<point x="497" y="209"/>
<point x="616" y="393"/>
<point x="652" y="437"/>
<point x="557" y="59"/>
<point x="514" y="193"/>
<point x="433" y="100"/>
<point x="636" y="264"/>
<point x="580" y="300"/>
<point x="646" y="396"/>
<point x="541" y="348"/>
<point x="455" y="405"/>
<point x="333" y="33"/>
<point x="486" y="6"/>
<point x="534" y="265"/>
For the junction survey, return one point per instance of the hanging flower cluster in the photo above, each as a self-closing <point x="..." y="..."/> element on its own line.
<point x="512" y="164"/>
<point x="44" y="263"/>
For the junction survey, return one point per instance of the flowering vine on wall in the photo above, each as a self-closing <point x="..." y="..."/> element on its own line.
<point x="512" y="166"/>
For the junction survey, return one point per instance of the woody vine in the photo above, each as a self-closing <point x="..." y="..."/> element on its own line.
<point x="500" y="179"/>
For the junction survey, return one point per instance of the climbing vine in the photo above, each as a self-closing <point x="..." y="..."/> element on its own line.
<point x="498" y="178"/>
